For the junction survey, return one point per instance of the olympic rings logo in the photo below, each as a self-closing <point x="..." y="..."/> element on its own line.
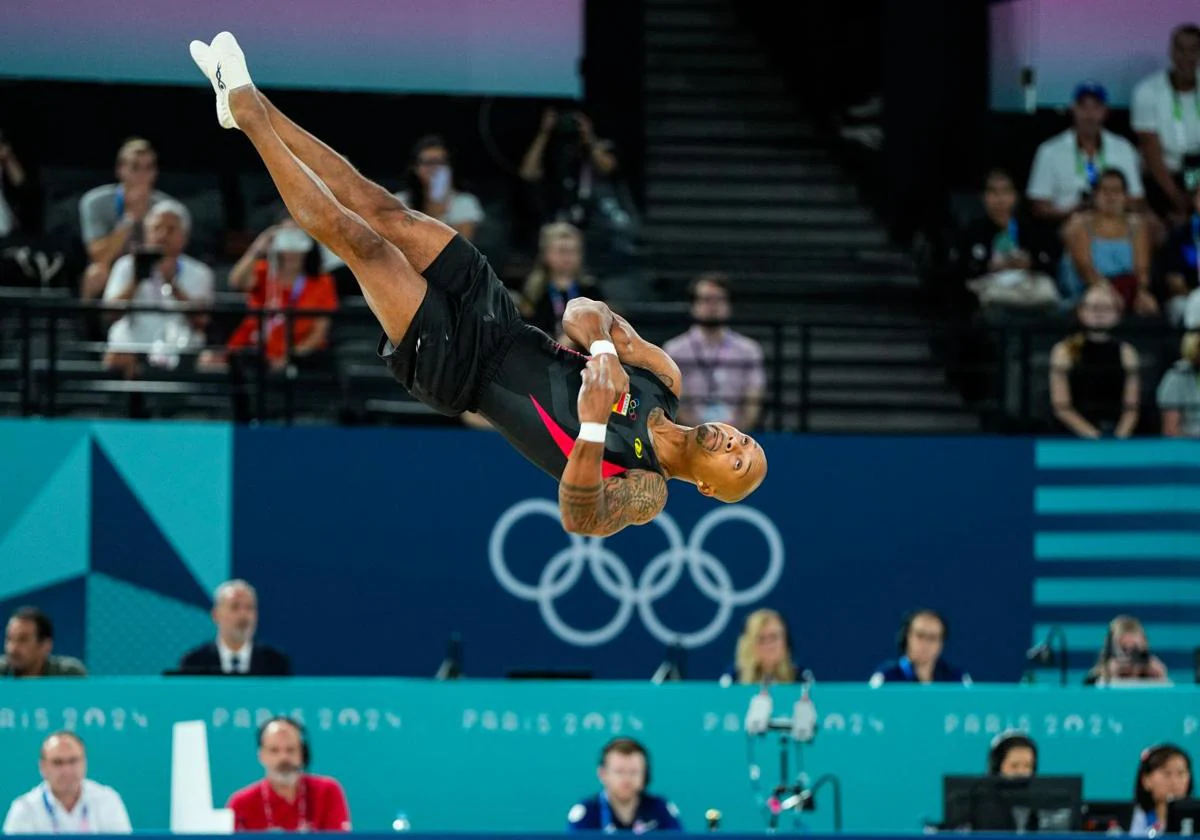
<point x="659" y="577"/>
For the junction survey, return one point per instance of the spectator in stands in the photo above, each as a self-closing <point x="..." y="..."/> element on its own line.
<point x="764" y="651"/>
<point x="1125" y="655"/>
<point x="1013" y="755"/>
<point x="1095" y="388"/>
<point x="558" y="277"/>
<point x="289" y="798"/>
<point x="1001" y="255"/>
<point x="281" y="270"/>
<point x="1164" y="774"/>
<point x="623" y="803"/>
<point x="1108" y="244"/>
<point x="28" y="646"/>
<point x="112" y="217"/>
<point x="723" y="376"/>
<point x="1180" y="267"/>
<point x="67" y="801"/>
<point x="1165" y="113"/>
<point x="235" y="650"/>
<point x="1066" y="167"/>
<point x="159" y="273"/>
<point x="1179" y="392"/>
<point x="921" y="639"/>
<point x="575" y="177"/>
<point x="431" y="188"/>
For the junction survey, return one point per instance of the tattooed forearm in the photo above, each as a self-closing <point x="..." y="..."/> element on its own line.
<point x="604" y="509"/>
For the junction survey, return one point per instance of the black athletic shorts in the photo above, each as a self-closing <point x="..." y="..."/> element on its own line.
<point x="459" y="335"/>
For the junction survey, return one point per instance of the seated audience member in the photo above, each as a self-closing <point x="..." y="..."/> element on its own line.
<point x="1126" y="655"/>
<point x="1067" y="167"/>
<point x="1179" y="392"/>
<point x="1109" y="244"/>
<point x="764" y="651"/>
<point x="1180" y="268"/>
<point x="289" y="798"/>
<point x="558" y="278"/>
<point x="28" y="642"/>
<point x="111" y="217"/>
<point x="1164" y="774"/>
<point x="1001" y="255"/>
<point x="623" y="803"/>
<point x="235" y="651"/>
<point x="1013" y="755"/>
<point x="723" y="376"/>
<point x="1095" y="388"/>
<point x="281" y="270"/>
<point x="431" y="188"/>
<point x="168" y="277"/>
<point x="1165" y="113"/>
<point x="67" y="801"/>
<point x="920" y="641"/>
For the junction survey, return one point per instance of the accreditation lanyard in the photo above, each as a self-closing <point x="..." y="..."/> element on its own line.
<point x="1177" y="112"/>
<point x="301" y="808"/>
<point x="83" y="816"/>
<point x="1090" y="167"/>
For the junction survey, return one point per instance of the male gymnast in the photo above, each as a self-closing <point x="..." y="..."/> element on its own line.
<point x="600" y="425"/>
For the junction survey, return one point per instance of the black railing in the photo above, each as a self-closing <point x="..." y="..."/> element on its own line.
<point x="992" y="377"/>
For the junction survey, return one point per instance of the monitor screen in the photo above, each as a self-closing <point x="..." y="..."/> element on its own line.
<point x="995" y="803"/>
<point x="1183" y="817"/>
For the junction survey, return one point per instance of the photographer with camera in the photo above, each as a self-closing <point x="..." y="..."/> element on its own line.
<point x="158" y="273"/>
<point x="1126" y="655"/>
<point x="575" y="177"/>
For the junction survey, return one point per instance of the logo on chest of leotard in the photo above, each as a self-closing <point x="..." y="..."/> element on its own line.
<point x="637" y="447"/>
<point x="626" y="406"/>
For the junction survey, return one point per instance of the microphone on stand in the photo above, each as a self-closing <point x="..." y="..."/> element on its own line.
<point x="451" y="667"/>
<point x="804" y="713"/>
<point x="671" y="669"/>
<point x="1045" y="654"/>
<point x="758" y="716"/>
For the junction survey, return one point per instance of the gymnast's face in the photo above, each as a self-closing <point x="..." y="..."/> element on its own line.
<point x="727" y="464"/>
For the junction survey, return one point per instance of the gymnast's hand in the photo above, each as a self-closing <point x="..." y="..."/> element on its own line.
<point x="597" y="395"/>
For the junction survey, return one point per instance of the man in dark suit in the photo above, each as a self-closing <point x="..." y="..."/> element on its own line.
<point x="235" y="612"/>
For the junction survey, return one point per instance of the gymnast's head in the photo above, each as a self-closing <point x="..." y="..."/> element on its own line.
<point x="725" y="463"/>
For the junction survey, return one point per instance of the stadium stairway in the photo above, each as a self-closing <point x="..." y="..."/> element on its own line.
<point x="737" y="181"/>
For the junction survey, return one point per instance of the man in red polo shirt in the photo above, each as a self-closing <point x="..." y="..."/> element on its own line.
<point x="288" y="799"/>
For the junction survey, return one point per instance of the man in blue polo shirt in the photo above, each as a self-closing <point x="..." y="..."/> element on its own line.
<point x="921" y="639"/>
<point x="623" y="804"/>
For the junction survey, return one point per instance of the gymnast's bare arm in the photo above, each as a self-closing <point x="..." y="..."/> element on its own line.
<point x="589" y="503"/>
<point x="585" y="321"/>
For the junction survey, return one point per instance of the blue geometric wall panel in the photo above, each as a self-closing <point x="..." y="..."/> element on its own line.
<point x="127" y="544"/>
<point x="30" y="455"/>
<point x="181" y="474"/>
<point x="47" y="541"/>
<point x="131" y="630"/>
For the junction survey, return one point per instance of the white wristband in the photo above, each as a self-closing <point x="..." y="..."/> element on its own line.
<point x="592" y="432"/>
<point x="602" y="346"/>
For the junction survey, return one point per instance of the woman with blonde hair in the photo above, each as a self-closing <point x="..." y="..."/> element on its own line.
<point x="558" y="278"/>
<point x="1126" y="655"/>
<point x="1179" y="391"/>
<point x="763" y="651"/>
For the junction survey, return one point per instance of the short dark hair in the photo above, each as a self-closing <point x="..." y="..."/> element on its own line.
<point x="998" y="172"/>
<point x="1113" y="172"/>
<point x="1152" y="759"/>
<point x="62" y="733"/>
<point x="622" y="746"/>
<point x="41" y="621"/>
<point x="717" y="278"/>
<point x="1185" y="29"/>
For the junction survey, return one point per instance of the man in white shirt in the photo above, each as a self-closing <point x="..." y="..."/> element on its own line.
<point x="1166" y="116"/>
<point x="67" y="802"/>
<point x="235" y="651"/>
<point x="1067" y="166"/>
<point x="169" y="277"/>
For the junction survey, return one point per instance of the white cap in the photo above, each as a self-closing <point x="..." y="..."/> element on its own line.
<point x="291" y="240"/>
